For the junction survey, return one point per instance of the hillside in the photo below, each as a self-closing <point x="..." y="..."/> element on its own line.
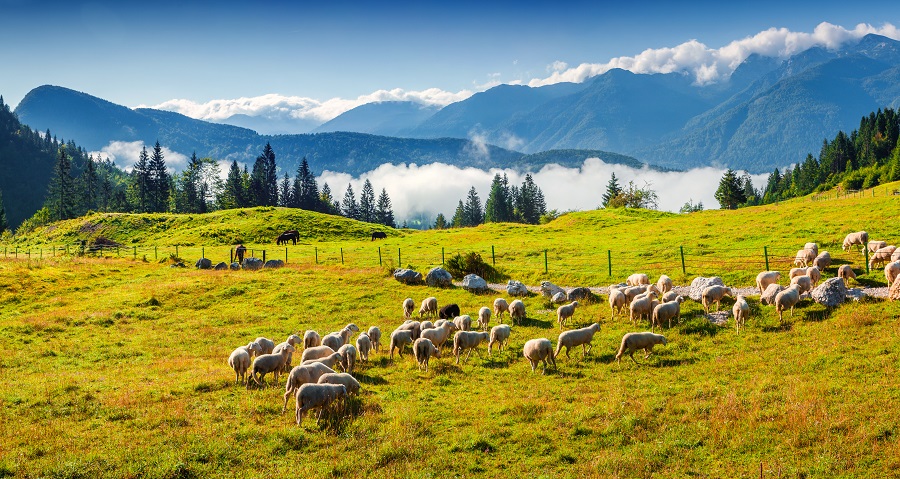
<point x="387" y="118"/>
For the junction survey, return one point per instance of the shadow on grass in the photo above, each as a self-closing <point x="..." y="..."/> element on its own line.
<point x="537" y="323"/>
<point x="373" y="380"/>
<point x="870" y="283"/>
<point x="699" y="325"/>
<point x="672" y="362"/>
<point x="778" y="328"/>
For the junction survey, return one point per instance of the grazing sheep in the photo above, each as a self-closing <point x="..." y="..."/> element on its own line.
<point x="363" y="345"/>
<point x="316" y="353"/>
<point x="408" y="306"/>
<point x="768" y="296"/>
<point x="333" y="341"/>
<point x="463" y="323"/>
<point x="860" y="238"/>
<point x="424" y="349"/>
<point x="667" y="311"/>
<point x="375" y="337"/>
<point x="468" y="341"/>
<point x="239" y="360"/>
<point x="635" y="291"/>
<point x="484" y="318"/>
<point x="449" y="311"/>
<point x="265" y="344"/>
<point x="895" y="256"/>
<point x="740" y="310"/>
<point x="330" y="361"/>
<point x="348" y="358"/>
<point x="642" y="306"/>
<point x="517" y="311"/>
<point x="804" y="283"/>
<point x="576" y="337"/>
<point x="317" y="396"/>
<point x="300" y="375"/>
<point x="633" y="342"/>
<point x="874" y="245"/>
<point x="822" y="261"/>
<point x="269" y="363"/>
<point x="714" y="294"/>
<point x="787" y="299"/>
<point x="891" y="271"/>
<point x="797" y="272"/>
<point x="345" y="379"/>
<point x="293" y="340"/>
<point x="426" y="325"/>
<point x="347" y="332"/>
<point x="670" y="296"/>
<point x="439" y="335"/>
<point x="882" y="256"/>
<point x="539" y="350"/>
<point x="429" y="307"/>
<point x="311" y="339"/>
<point x="414" y="327"/>
<point x="565" y="312"/>
<point x="845" y="272"/>
<point x="500" y="307"/>
<point x="617" y="301"/>
<point x="804" y="257"/>
<point x="637" y="279"/>
<point x="814" y="247"/>
<point x="400" y="338"/>
<point x="664" y="284"/>
<point x="764" y="279"/>
<point x="815" y="274"/>
<point x="438" y="323"/>
<point x="499" y="336"/>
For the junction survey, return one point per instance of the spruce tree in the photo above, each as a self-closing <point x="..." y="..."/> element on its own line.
<point x="459" y="217"/>
<point x="158" y="181"/>
<point x="89" y="186"/>
<point x="367" y="203"/>
<point x="349" y="207"/>
<point x="271" y="184"/>
<point x="61" y="194"/>
<point x="307" y="189"/>
<point x="140" y="174"/>
<point x="613" y="189"/>
<point x="384" y="213"/>
<point x="474" y="214"/>
<point x="4" y="225"/>
<point x="326" y="201"/>
<point x="530" y="203"/>
<point x="730" y="193"/>
<point x="259" y="194"/>
<point x="233" y="193"/>
<point x="498" y="207"/>
<point x="440" y="222"/>
<point x="285" y="192"/>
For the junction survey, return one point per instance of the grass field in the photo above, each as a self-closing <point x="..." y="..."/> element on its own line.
<point x="117" y="367"/>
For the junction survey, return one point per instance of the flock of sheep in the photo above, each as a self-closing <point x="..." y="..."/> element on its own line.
<point x="315" y="384"/>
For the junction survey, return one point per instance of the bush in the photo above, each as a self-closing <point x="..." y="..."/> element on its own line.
<point x="472" y="263"/>
<point x="853" y="181"/>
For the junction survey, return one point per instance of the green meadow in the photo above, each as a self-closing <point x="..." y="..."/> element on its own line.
<point x="115" y="366"/>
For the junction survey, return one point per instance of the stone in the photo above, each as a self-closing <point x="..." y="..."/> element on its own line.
<point x="579" y="294"/>
<point x="439" y="278"/>
<point x="203" y="263"/>
<point x="830" y="293"/>
<point x="221" y="266"/>
<point x="549" y="289"/>
<point x="700" y="283"/>
<point x="179" y="264"/>
<point x="768" y="296"/>
<point x="252" y="264"/>
<point x="516" y="288"/>
<point x="408" y="276"/>
<point x="856" y="294"/>
<point x="558" y="298"/>
<point x="474" y="283"/>
<point x="273" y="263"/>
<point x="235" y="266"/>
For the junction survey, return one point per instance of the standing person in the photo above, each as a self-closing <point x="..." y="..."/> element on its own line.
<point x="239" y="252"/>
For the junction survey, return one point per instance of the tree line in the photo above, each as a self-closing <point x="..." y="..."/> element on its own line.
<point x="505" y="204"/>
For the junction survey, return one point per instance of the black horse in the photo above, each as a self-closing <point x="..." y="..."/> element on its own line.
<point x="290" y="235"/>
<point x="379" y="235"/>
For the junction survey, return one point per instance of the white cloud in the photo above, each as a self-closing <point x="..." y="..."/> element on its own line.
<point x="712" y="64"/>
<point x="437" y="187"/>
<point x="557" y="66"/>
<point x="126" y="153"/>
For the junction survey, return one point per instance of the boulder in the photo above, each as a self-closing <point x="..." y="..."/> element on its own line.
<point x="273" y="263"/>
<point x="579" y="294"/>
<point x="550" y="290"/>
<point x="831" y="292"/>
<point x="235" y="266"/>
<point x="856" y="294"/>
<point x="768" y="296"/>
<point x="474" y="283"/>
<point x="203" y="263"/>
<point x="516" y="288"/>
<point x="252" y="264"/>
<point x="221" y="266"/>
<point x="558" y="298"/>
<point x="439" y="277"/>
<point x="179" y="264"/>
<point x="700" y="283"/>
<point x="408" y="276"/>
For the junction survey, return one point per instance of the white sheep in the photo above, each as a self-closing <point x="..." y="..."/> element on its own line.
<point x="804" y="283"/>
<point x="499" y="336"/>
<point x="539" y="350"/>
<point x="874" y="245"/>
<point x="565" y="312"/>
<point x="637" y="279"/>
<point x="787" y="299"/>
<point x="765" y="278"/>
<point x="714" y="294"/>
<point x="814" y="247"/>
<point x="468" y="341"/>
<point x="330" y="360"/>
<point x="300" y="375"/>
<point x="860" y="238"/>
<point x="429" y="307"/>
<point x="348" y="358"/>
<point x="664" y="284"/>
<point x="642" y="306"/>
<point x="333" y="341"/>
<point x="500" y="307"/>
<point x="311" y="339"/>
<point x="363" y="345"/>
<point x="517" y="311"/>
<point x="815" y="274"/>
<point x="633" y="342"/>
<point x="426" y="325"/>
<point x="239" y="360"/>
<point x="439" y="335"/>
<point x="463" y="323"/>
<point x="882" y="256"/>
<point x="891" y="271"/>
<point x="269" y="363"/>
<point x="670" y="296"/>
<point x="316" y="352"/>
<point x="408" y="306"/>
<point x="804" y="257"/>
<point x="317" y="396"/>
<point x="375" y="337"/>
<point x="617" y="302"/>
<point x="797" y="272"/>
<point x="822" y="261"/>
<point x="576" y="337"/>
<point x="347" y="332"/>
<point x="414" y="327"/>
<point x="484" y="318"/>
<point x="294" y="341"/>
<point x="845" y="272"/>
<point x="741" y="311"/>
<point x="635" y="291"/>
<point x="266" y="345"/>
<point x="667" y="311"/>
<point x="347" y="380"/>
<point x="400" y="338"/>
<point x="895" y="256"/>
<point x="423" y="349"/>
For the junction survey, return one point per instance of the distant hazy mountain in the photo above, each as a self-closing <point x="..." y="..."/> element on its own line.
<point x="271" y="126"/>
<point x="388" y="118"/>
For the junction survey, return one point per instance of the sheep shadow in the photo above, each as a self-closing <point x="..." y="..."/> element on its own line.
<point x="533" y="322"/>
<point x="673" y="362"/>
<point x="338" y="417"/>
<point x="699" y="325"/>
<point x="371" y="380"/>
<point x="870" y="283"/>
<point x="777" y="328"/>
<point x="817" y="315"/>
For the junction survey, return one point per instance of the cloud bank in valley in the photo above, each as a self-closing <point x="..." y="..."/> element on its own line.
<point x="126" y="153"/>
<point x="437" y="188"/>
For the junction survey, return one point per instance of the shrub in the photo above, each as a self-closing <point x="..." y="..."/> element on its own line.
<point x="472" y="263"/>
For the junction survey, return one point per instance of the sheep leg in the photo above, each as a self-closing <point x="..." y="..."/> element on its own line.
<point x="533" y="364"/>
<point x="287" y="395"/>
<point x="649" y="351"/>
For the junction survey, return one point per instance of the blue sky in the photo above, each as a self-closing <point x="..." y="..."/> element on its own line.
<point x="148" y="54"/>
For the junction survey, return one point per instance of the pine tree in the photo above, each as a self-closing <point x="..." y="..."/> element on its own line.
<point x="258" y="193"/>
<point x="367" y="203"/>
<point x="4" y="225"/>
<point x="327" y="201"/>
<point x="89" y="186"/>
<point x="306" y="188"/>
<point x="730" y="193"/>
<point x="158" y="181"/>
<point x="141" y="181"/>
<point x="440" y="222"/>
<point x="233" y="194"/>
<point x="750" y="193"/>
<point x="498" y="207"/>
<point x="384" y="213"/>
<point x="459" y="217"/>
<point x="349" y="207"/>
<point x="286" y="192"/>
<point x="61" y="194"/>
<point x="474" y="214"/>
<point x="530" y="202"/>
<point x="271" y="176"/>
<point x="187" y="194"/>
<point x="613" y="189"/>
